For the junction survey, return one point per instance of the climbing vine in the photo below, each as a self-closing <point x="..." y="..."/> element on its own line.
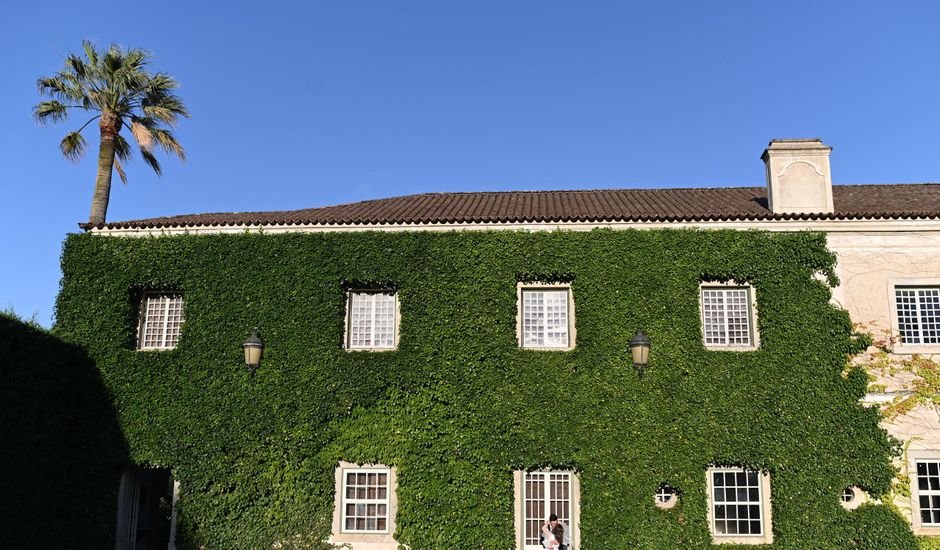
<point x="915" y="379"/>
<point x="458" y="406"/>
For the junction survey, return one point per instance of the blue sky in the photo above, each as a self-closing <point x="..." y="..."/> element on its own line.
<point x="303" y="104"/>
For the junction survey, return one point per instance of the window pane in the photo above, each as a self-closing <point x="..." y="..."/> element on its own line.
<point x="928" y="490"/>
<point x="365" y="501"/>
<point x="161" y="320"/>
<point x="372" y="320"/>
<point x="545" y="318"/>
<point x="545" y="493"/>
<point x="726" y="316"/>
<point x="918" y="312"/>
<point x="736" y="505"/>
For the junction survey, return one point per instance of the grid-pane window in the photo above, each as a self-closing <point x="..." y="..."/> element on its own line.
<point x="161" y="317"/>
<point x="372" y="323"/>
<point x="736" y="502"/>
<point x="365" y="501"/>
<point x="928" y="491"/>
<point x="918" y="315"/>
<point x="545" y="493"/>
<point x="726" y="316"/>
<point x="665" y="493"/>
<point x="545" y="318"/>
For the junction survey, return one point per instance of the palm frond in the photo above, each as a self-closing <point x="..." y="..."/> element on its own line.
<point x="120" y="171"/>
<point x="164" y="114"/>
<point x="122" y="149"/>
<point x="151" y="160"/>
<point x="73" y="146"/>
<point x="75" y="63"/>
<point x="142" y="135"/>
<point x="112" y="60"/>
<point x="50" y="111"/>
<point x="91" y="53"/>
<point x="146" y="122"/>
<point x="168" y="142"/>
<point x="161" y="82"/>
<point x="59" y="87"/>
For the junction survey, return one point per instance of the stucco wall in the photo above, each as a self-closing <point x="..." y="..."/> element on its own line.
<point x="872" y="263"/>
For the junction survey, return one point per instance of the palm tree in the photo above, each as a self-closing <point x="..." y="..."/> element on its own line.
<point x="115" y="85"/>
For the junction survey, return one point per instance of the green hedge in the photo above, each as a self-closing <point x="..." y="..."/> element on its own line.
<point x="458" y="406"/>
<point x="61" y="449"/>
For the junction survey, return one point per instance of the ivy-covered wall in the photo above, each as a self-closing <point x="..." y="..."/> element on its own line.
<point x="459" y="406"/>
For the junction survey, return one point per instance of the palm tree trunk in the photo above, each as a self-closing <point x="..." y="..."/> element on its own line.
<point x="110" y="125"/>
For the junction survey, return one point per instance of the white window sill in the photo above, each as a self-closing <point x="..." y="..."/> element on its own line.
<point x="546" y="348"/>
<point x="712" y="347"/>
<point x="759" y="539"/>
<point x="926" y="530"/>
<point x="374" y="538"/>
<point x="911" y="349"/>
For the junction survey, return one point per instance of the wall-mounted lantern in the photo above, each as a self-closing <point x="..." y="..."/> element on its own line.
<point x="253" y="347"/>
<point x="640" y="349"/>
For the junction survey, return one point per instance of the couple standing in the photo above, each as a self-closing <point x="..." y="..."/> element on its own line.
<point x="555" y="534"/>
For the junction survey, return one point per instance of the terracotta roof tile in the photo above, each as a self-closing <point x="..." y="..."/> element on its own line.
<point x="920" y="200"/>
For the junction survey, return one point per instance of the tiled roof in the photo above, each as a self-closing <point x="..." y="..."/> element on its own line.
<point x="920" y="200"/>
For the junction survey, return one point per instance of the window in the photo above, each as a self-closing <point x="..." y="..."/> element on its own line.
<point x="928" y="492"/>
<point x="739" y="506"/>
<point x="545" y="315"/>
<point x="918" y="310"/>
<point x="727" y="317"/>
<point x="161" y="317"/>
<point x="372" y="320"/>
<point x="540" y="494"/>
<point x="852" y="497"/>
<point x="666" y="496"/>
<point x="365" y="501"/>
<point x="365" y="505"/>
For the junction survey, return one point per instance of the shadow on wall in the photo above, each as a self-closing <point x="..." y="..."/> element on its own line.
<point x="62" y="450"/>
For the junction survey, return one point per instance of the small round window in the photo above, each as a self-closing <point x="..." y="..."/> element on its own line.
<point x="852" y="497"/>
<point x="666" y="496"/>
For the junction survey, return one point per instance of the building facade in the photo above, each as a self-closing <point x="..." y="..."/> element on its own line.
<point x="472" y="352"/>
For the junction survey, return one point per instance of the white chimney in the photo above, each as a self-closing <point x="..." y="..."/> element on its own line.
<point x="798" y="177"/>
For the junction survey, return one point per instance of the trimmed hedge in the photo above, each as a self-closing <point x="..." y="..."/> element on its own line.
<point x="459" y="406"/>
<point x="61" y="449"/>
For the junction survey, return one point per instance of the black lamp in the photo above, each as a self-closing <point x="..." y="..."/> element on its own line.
<point x="640" y="349"/>
<point x="253" y="347"/>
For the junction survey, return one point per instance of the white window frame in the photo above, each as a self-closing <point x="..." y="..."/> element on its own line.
<point x="574" y="506"/>
<point x="145" y="304"/>
<point x="914" y="457"/>
<point x="908" y="284"/>
<point x="521" y="289"/>
<point x="378" y="540"/>
<point x="753" y="334"/>
<point x="347" y="336"/>
<point x="766" y="536"/>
